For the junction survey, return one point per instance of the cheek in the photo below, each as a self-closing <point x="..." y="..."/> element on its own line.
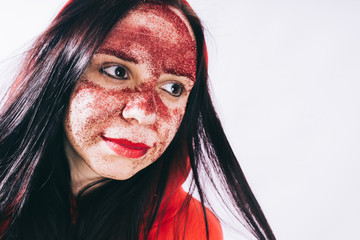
<point x="89" y="109"/>
<point x="168" y="122"/>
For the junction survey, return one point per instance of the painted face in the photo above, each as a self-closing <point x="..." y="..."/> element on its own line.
<point x="129" y="103"/>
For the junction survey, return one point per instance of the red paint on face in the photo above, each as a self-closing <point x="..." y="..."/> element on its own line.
<point x="159" y="35"/>
<point x="154" y="44"/>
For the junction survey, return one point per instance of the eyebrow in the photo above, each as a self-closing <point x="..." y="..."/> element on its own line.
<point x="119" y="54"/>
<point x="180" y="72"/>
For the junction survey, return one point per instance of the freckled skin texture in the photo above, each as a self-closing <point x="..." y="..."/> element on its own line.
<point x="155" y="45"/>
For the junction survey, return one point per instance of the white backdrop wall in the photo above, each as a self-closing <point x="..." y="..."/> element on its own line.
<point x="286" y="81"/>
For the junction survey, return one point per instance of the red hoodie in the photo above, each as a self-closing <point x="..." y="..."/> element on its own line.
<point x="175" y="221"/>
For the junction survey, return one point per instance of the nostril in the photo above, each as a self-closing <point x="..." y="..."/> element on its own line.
<point x="142" y="110"/>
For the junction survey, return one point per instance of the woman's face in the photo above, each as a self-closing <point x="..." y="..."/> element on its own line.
<point x="129" y="103"/>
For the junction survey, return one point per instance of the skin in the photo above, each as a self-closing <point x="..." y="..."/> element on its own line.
<point x="136" y="88"/>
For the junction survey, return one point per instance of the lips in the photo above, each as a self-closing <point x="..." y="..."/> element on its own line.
<point x="126" y="148"/>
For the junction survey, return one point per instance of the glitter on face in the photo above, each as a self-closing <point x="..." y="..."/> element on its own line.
<point x="118" y="126"/>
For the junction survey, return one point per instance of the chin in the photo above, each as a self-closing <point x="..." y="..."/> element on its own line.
<point x="123" y="172"/>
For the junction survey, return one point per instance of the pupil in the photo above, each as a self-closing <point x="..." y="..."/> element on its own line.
<point x="175" y="88"/>
<point x="120" y="72"/>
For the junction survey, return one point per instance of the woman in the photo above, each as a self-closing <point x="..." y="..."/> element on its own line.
<point x="107" y="117"/>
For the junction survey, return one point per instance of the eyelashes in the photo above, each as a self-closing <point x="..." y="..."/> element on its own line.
<point x="120" y="72"/>
<point x="116" y="71"/>
<point x="173" y="88"/>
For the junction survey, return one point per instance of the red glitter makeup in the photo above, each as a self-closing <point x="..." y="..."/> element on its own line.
<point x="117" y="125"/>
<point x="160" y="35"/>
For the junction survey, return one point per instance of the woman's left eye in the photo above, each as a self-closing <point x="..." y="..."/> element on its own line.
<point x="175" y="89"/>
<point x="115" y="71"/>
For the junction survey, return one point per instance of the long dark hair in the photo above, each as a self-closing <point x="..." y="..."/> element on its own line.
<point x="35" y="196"/>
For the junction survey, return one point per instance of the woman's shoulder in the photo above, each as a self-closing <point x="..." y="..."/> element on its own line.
<point x="197" y="222"/>
<point x="186" y="221"/>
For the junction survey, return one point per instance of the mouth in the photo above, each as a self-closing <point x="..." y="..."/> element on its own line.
<point x="126" y="148"/>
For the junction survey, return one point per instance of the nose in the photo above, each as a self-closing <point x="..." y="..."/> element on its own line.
<point x="141" y="109"/>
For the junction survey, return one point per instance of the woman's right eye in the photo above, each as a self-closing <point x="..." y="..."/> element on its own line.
<point x="115" y="71"/>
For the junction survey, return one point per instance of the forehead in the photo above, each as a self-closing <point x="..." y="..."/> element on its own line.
<point x="154" y="33"/>
<point x="161" y="20"/>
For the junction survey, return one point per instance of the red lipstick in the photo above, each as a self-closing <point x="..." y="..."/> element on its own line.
<point x="126" y="148"/>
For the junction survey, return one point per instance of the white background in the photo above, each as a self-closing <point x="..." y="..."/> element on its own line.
<point x="286" y="79"/>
